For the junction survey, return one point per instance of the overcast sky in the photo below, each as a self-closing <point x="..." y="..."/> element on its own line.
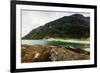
<point x="33" y="19"/>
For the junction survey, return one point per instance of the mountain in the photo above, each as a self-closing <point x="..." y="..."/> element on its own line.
<point x="75" y="26"/>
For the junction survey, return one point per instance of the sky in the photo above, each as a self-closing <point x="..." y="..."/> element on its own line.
<point x="33" y="19"/>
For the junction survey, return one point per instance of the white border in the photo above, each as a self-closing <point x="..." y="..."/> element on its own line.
<point x="20" y="65"/>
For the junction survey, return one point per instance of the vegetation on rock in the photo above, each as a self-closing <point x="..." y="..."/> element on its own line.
<point x="75" y="26"/>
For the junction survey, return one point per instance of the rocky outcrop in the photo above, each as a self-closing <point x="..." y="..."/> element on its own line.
<point x="40" y="53"/>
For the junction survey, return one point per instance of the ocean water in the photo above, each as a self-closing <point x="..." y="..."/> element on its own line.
<point x="53" y="43"/>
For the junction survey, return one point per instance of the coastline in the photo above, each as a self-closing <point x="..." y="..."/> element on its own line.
<point x="86" y="42"/>
<point x="69" y="40"/>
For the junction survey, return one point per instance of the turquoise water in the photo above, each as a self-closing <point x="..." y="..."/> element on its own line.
<point x="54" y="43"/>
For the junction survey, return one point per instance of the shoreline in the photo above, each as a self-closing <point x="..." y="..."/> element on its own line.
<point x="69" y="40"/>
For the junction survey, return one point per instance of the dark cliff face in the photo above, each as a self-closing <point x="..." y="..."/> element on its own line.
<point x="75" y="26"/>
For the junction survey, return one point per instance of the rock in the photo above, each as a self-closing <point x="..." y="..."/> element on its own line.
<point x="39" y="53"/>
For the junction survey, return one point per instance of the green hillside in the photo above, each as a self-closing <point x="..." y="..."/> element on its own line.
<point x="75" y="26"/>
